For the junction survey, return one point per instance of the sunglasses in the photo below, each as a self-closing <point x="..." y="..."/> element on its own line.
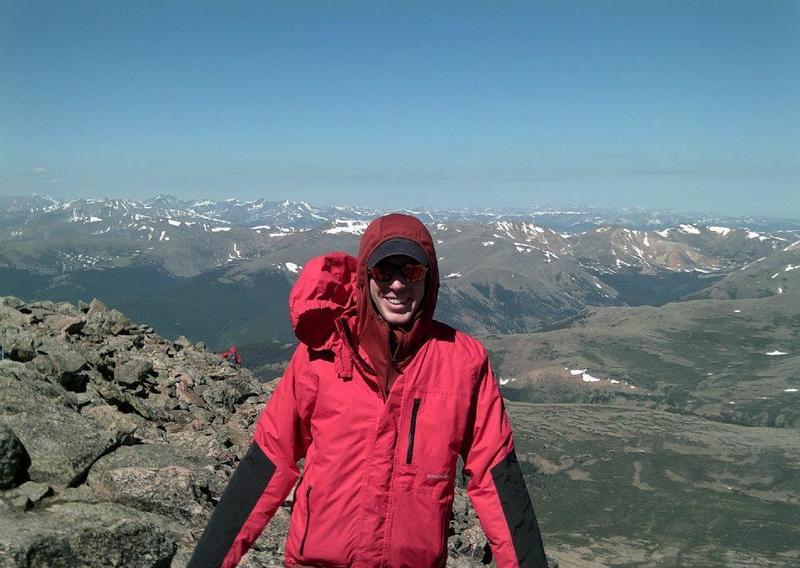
<point x="409" y="272"/>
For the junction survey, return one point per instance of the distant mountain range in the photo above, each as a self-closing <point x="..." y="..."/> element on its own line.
<point x="220" y="271"/>
<point x="148" y="217"/>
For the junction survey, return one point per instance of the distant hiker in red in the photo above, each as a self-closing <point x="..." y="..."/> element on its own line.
<point x="232" y="356"/>
<point x="381" y="400"/>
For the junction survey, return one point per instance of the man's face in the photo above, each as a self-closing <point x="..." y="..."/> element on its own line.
<point x="397" y="299"/>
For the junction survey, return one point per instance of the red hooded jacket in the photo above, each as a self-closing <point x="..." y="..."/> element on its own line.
<point x="379" y="476"/>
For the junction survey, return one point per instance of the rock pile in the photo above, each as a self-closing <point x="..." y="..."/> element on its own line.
<point x="115" y="444"/>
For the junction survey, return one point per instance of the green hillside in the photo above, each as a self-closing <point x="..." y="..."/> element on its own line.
<point x="734" y="360"/>
<point x="634" y="487"/>
<point x="217" y="309"/>
<point x="110" y="285"/>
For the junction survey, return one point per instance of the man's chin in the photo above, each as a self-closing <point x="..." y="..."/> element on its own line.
<point x="397" y="320"/>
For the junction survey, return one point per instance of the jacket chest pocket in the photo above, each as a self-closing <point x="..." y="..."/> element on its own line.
<point x="432" y="431"/>
<point x="412" y="430"/>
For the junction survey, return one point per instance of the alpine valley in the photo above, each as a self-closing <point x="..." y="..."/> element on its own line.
<point x="650" y="359"/>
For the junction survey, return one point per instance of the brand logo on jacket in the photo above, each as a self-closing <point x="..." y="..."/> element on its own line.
<point x="437" y="476"/>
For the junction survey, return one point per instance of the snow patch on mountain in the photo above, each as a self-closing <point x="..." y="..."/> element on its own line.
<point x="282" y="231"/>
<point x="348" y="226"/>
<point x="724" y="231"/>
<point x="761" y="237"/>
<point x="236" y="254"/>
<point x="512" y="230"/>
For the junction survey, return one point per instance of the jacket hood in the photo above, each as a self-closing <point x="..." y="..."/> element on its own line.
<point x="372" y="332"/>
<point x="324" y="291"/>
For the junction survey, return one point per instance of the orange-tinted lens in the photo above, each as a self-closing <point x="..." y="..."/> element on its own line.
<point x="383" y="272"/>
<point x="414" y="272"/>
<point x="377" y="274"/>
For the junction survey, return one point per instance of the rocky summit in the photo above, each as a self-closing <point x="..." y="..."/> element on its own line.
<point x="116" y="444"/>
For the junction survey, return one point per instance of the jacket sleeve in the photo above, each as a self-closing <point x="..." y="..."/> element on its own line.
<point x="265" y="475"/>
<point x="496" y="486"/>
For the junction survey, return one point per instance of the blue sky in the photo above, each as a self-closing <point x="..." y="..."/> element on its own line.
<point x="689" y="105"/>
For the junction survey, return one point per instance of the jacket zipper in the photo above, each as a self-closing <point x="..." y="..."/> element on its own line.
<point x="412" y="430"/>
<point x="390" y="374"/>
<point x="308" y="520"/>
<point x="351" y="345"/>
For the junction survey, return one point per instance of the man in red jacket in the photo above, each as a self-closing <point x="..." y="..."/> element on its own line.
<point x="381" y="400"/>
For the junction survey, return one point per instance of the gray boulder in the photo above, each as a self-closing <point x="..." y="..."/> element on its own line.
<point x="13" y="458"/>
<point x="133" y="372"/>
<point x="61" y="443"/>
<point x="59" y="362"/>
<point x="122" y="426"/>
<point x="11" y="318"/>
<point x="157" y="478"/>
<point x="18" y="344"/>
<point x="11" y="301"/>
<point x="26" y="495"/>
<point x="34" y="491"/>
<point x="102" y="320"/>
<point x="87" y="535"/>
<point x="227" y="394"/>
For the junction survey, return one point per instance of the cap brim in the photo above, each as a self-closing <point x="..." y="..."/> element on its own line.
<point x="397" y="246"/>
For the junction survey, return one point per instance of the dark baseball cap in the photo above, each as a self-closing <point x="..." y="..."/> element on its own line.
<point x="395" y="246"/>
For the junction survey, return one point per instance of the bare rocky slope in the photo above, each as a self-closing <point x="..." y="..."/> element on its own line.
<point x="115" y="443"/>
